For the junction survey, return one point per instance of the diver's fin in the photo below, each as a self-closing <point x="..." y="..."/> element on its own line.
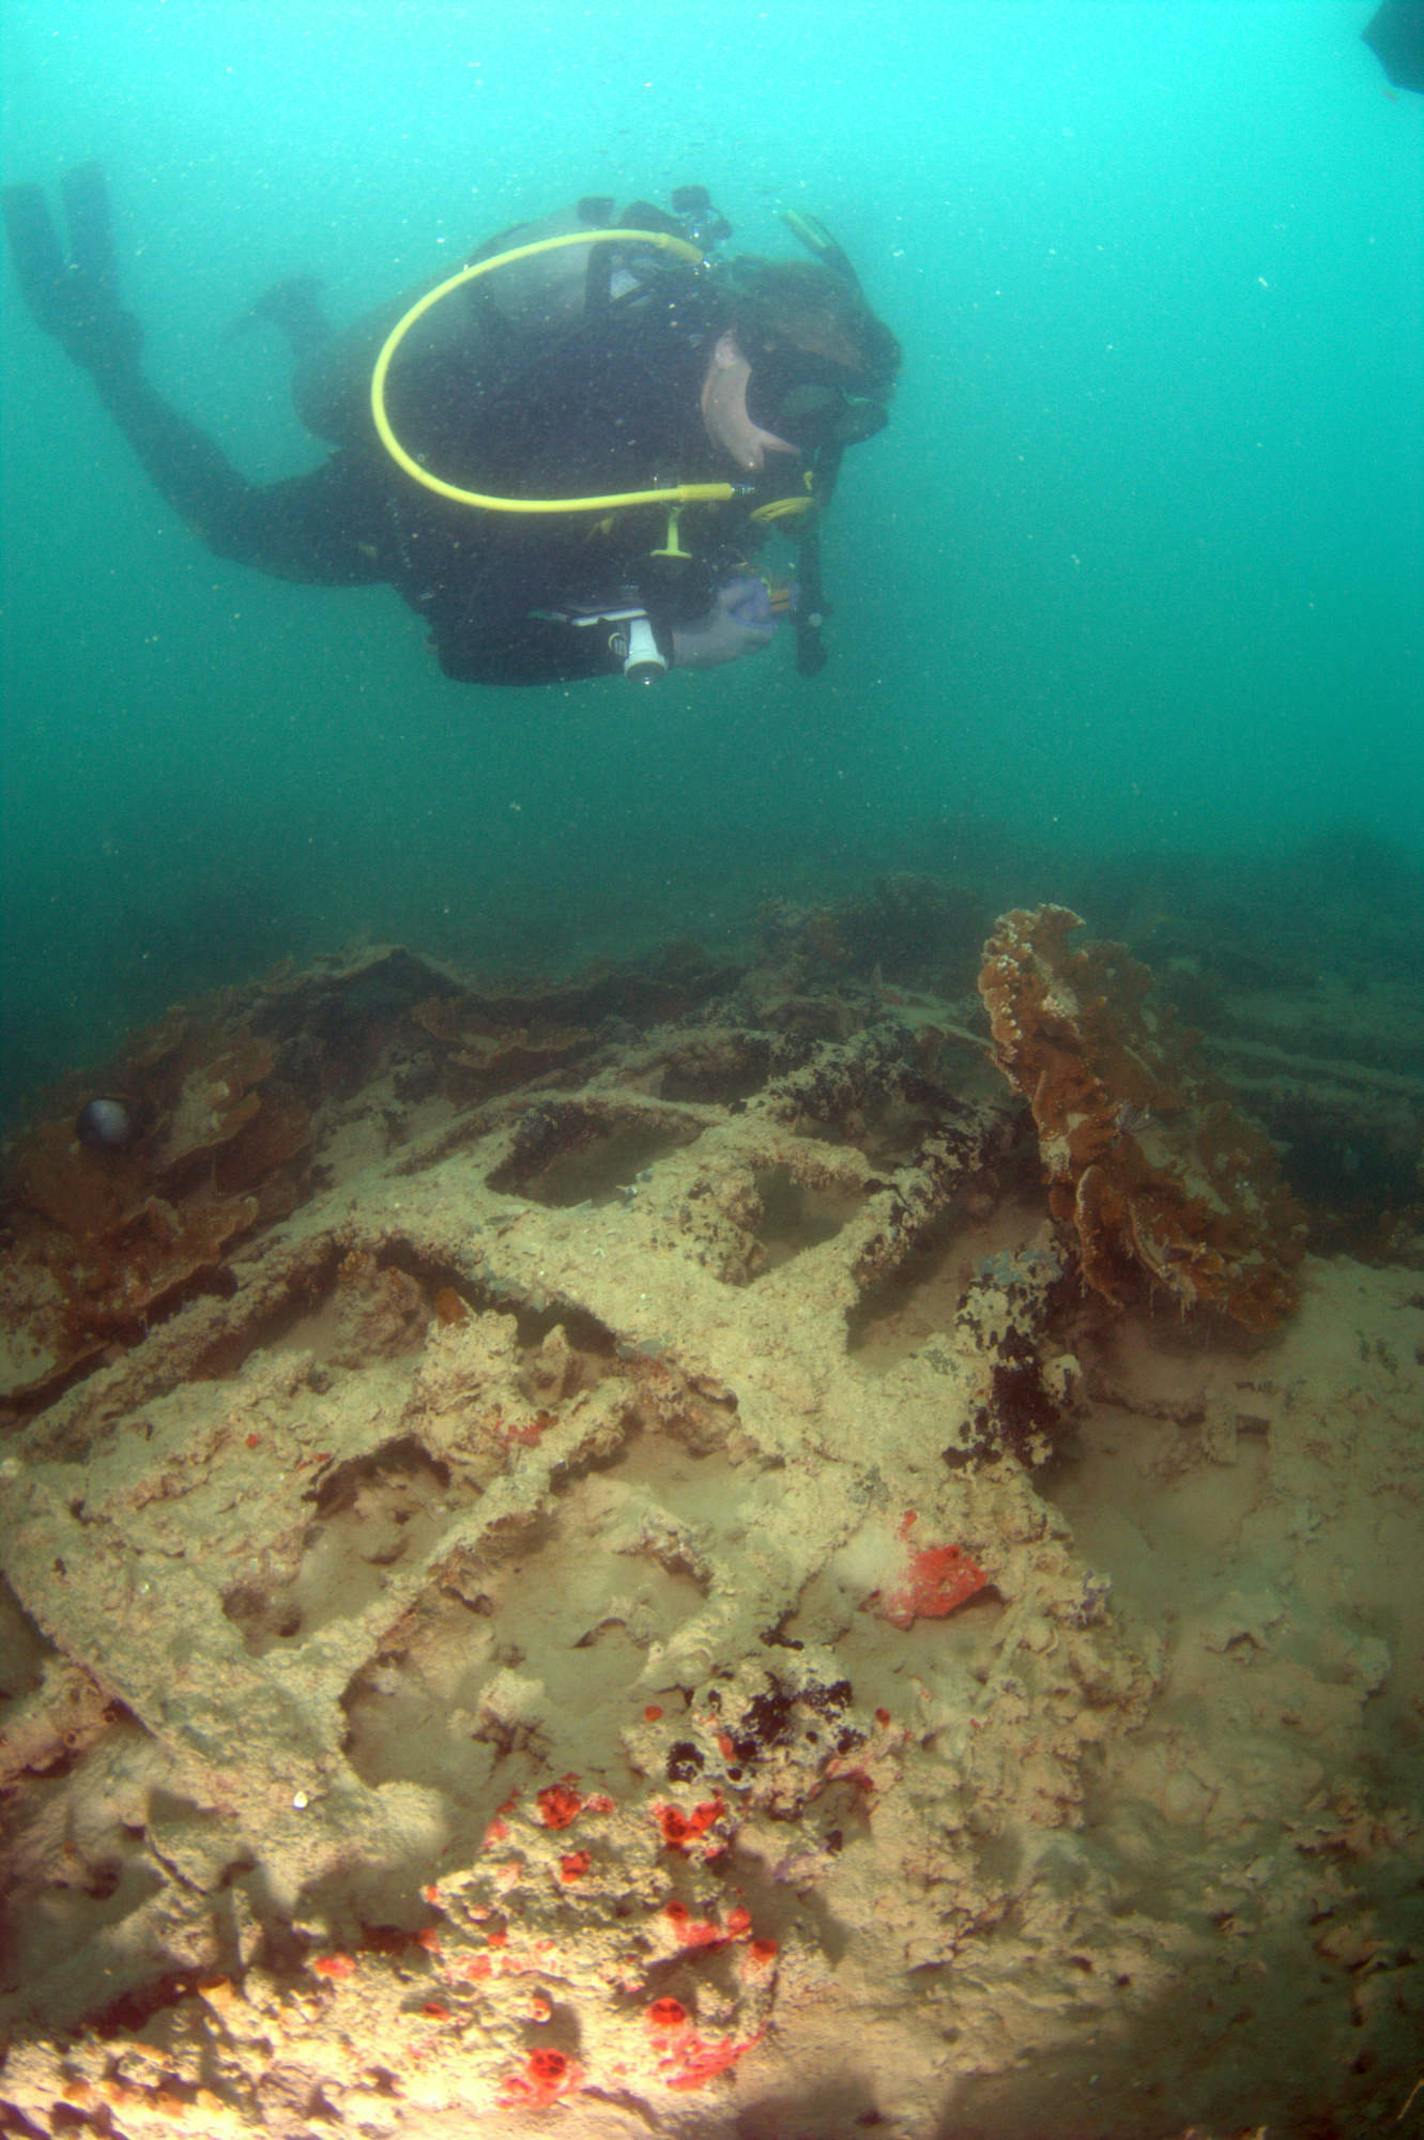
<point x="89" y="219"/>
<point x="293" y="306"/>
<point x="818" y="241"/>
<point x="46" y="277"/>
<point x="1395" y="34"/>
<point x="75" y="297"/>
<point x="34" y="248"/>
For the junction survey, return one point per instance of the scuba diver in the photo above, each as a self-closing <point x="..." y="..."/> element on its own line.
<point x="564" y="457"/>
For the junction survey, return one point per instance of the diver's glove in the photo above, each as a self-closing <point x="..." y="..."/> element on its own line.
<point x="740" y="621"/>
<point x="75" y="297"/>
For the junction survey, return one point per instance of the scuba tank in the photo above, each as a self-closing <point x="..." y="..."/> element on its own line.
<point x="500" y="315"/>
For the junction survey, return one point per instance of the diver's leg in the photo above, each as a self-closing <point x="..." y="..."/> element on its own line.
<point x="307" y="529"/>
<point x="74" y="296"/>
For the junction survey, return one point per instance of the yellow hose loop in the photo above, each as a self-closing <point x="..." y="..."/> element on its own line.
<point x="674" y="494"/>
<point x="783" y="508"/>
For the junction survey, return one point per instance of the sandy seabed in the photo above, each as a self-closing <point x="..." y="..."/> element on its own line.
<point x="651" y="1601"/>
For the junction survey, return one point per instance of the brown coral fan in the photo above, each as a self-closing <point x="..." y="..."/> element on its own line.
<point x="1160" y="1175"/>
<point x="99" y="1240"/>
<point x="495" y="1056"/>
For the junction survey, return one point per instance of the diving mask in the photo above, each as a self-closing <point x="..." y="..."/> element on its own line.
<point x="807" y="400"/>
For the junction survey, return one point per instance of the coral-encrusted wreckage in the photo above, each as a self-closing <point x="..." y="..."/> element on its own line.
<point x="1161" y="1175"/>
<point x="535" y="1594"/>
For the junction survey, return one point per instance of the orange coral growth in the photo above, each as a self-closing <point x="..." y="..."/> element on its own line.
<point x="929" y="1582"/>
<point x="559" y="1804"/>
<point x="546" y="2077"/>
<point x="690" y="1931"/>
<point x="679" y="1828"/>
<point x="936" y="1582"/>
<point x="667" y="2013"/>
<point x="693" y="2062"/>
<point x="1146" y="1155"/>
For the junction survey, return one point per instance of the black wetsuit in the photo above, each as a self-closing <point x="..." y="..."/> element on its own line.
<point x="612" y="408"/>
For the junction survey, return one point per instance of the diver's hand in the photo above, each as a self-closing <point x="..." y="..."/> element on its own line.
<point x="739" y="622"/>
